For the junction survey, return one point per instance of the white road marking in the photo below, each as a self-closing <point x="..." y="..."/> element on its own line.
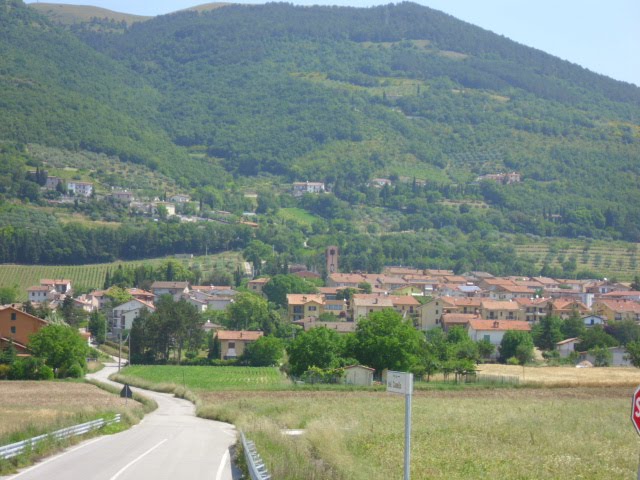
<point x="223" y="463"/>
<point x="121" y="471"/>
<point x="54" y="458"/>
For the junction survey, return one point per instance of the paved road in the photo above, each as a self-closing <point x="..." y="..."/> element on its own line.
<point x="170" y="443"/>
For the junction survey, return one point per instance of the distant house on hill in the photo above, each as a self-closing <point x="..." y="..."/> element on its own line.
<point x="81" y="189"/>
<point x="300" y="188"/>
<point x="175" y="289"/>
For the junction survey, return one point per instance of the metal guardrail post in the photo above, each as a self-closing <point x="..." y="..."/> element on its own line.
<point x="15" y="449"/>
<point x="257" y="468"/>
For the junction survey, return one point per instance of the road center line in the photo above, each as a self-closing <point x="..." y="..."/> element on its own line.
<point x="136" y="459"/>
<point x="223" y="463"/>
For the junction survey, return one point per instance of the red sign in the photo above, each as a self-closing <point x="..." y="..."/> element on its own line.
<point x="635" y="410"/>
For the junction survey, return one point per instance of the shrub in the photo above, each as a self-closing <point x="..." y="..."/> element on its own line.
<point x="30" y="368"/>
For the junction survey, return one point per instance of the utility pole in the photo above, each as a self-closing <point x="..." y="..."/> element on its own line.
<point x="119" y="349"/>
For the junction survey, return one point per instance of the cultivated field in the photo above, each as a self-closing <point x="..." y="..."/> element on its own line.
<point x="566" y="376"/>
<point x="611" y="259"/>
<point x="93" y="276"/>
<point x="458" y="432"/>
<point x="211" y="378"/>
<point x="31" y="408"/>
<point x="466" y="434"/>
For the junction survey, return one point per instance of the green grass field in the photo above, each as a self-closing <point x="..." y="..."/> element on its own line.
<point x="297" y="214"/>
<point x="93" y="276"/>
<point x="457" y="433"/>
<point x="211" y="378"/>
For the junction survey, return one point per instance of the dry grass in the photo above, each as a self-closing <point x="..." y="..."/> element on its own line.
<point x="465" y="434"/>
<point x="567" y="376"/>
<point x="44" y="406"/>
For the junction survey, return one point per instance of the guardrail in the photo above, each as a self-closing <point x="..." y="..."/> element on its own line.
<point x="15" y="449"/>
<point x="257" y="468"/>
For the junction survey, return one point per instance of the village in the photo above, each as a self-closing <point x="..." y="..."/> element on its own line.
<point x="485" y="306"/>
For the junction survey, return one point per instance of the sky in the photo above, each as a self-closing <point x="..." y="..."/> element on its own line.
<point x="603" y="36"/>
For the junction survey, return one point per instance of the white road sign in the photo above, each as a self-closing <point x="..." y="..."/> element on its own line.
<point x="400" y="382"/>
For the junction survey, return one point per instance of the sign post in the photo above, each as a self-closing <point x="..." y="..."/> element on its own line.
<point x="635" y="416"/>
<point x="402" y="382"/>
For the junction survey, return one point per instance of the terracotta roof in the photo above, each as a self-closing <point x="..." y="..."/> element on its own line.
<point x="371" y="301"/>
<point x="329" y="290"/>
<point x="172" y="285"/>
<point x="404" y="300"/>
<point x="497" y="281"/>
<point x="459" y="318"/>
<point x="564" y="303"/>
<point x="346" y="278"/>
<point x="455" y="279"/>
<point x="138" y="291"/>
<point x="304" y="298"/>
<point x="629" y="293"/>
<point x="40" y="288"/>
<point x="499" y="325"/>
<point x="462" y="301"/>
<point x="531" y="302"/>
<point x="500" y="305"/>
<point x="621" y="305"/>
<point x="516" y="289"/>
<point x="239" y="335"/>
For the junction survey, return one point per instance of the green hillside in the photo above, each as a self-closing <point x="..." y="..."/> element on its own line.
<point x="72" y="14"/>
<point x="217" y="102"/>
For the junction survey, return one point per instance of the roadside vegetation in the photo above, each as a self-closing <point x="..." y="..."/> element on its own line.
<point x="31" y="408"/>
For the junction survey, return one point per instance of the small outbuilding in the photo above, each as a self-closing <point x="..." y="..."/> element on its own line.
<point x="358" y="375"/>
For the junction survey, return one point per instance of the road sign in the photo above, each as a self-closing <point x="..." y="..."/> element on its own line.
<point x="400" y="382"/>
<point x="635" y="410"/>
<point x="126" y="392"/>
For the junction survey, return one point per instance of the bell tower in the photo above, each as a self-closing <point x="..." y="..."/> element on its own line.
<point x="331" y="255"/>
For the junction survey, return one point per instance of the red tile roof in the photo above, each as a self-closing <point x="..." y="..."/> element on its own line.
<point x="245" y="335"/>
<point x="499" y="325"/>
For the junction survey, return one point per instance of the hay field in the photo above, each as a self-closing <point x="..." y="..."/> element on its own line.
<point x="567" y="376"/>
<point x="513" y="433"/>
<point x="29" y="408"/>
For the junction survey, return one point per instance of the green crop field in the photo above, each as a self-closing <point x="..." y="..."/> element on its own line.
<point x="457" y="433"/>
<point x="92" y="276"/>
<point x="298" y="214"/>
<point x="607" y="259"/>
<point x="467" y="434"/>
<point x="211" y="378"/>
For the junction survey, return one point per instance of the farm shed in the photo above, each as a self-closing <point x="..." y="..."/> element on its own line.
<point x="358" y="375"/>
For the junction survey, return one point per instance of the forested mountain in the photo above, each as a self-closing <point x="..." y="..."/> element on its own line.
<point x="340" y="95"/>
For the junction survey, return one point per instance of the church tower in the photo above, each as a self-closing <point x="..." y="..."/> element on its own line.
<point x="331" y="255"/>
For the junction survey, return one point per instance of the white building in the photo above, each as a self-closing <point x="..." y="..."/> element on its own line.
<point x="81" y="189"/>
<point x="122" y="316"/>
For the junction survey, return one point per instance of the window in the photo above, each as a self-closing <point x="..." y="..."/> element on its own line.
<point x="13" y="315"/>
<point x="313" y="308"/>
<point x="13" y="329"/>
<point x="487" y="338"/>
<point x="232" y="344"/>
